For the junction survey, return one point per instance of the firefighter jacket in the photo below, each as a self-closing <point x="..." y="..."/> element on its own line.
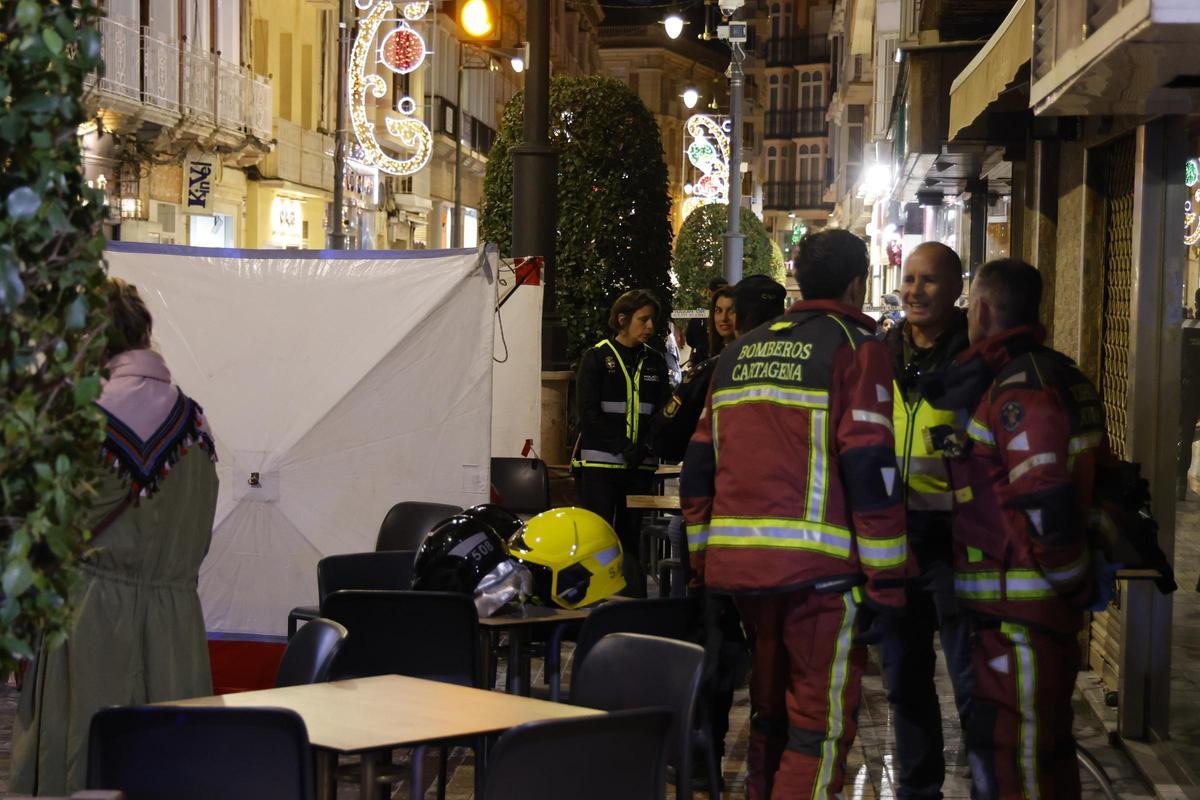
<point x="618" y="390"/>
<point x="1024" y="487"/>
<point x="927" y="494"/>
<point x="790" y="480"/>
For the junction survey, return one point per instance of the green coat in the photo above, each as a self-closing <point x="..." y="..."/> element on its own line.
<point x="138" y="634"/>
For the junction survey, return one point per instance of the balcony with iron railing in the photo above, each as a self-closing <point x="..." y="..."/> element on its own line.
<point x="797" y="50"/>
<point x="793" y="195"/>
<point x="181" y="84"/>
<point x="795" y="123"/>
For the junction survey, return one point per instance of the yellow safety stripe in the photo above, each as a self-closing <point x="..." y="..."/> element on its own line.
<point x="771" y="393"/>
<point x="779" y="533"/>
<point x="883" y="553"/>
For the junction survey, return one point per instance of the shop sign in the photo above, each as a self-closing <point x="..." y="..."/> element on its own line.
<point x="1191" y="204"/>
<point x="201" y="174"/>
<point x="287" y="222"/>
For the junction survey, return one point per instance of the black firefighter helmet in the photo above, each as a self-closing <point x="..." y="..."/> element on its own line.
<point x="502" y="521"/>
<point x="466" y="554"/>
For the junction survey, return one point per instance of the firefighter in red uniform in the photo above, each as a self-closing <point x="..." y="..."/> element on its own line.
<point x="1023" y="493"/>
<point x="792" y="500"/>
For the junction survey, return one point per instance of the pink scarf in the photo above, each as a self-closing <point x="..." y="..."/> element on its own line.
<point x="139" y="391"/>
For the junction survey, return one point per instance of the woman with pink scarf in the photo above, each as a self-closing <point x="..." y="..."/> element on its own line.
<point x="138" y="633"/>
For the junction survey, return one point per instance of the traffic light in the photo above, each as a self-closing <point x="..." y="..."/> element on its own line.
<point x="479" y="21"/>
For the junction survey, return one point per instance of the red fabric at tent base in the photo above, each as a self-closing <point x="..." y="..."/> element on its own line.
<point x="243" y="666"/>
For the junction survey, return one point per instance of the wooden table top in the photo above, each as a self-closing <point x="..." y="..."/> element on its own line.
<point x="657" y="502"/>
<point x="532" y="615"/>
<point x="668" y="470"/>
<point x="394" y="710"/>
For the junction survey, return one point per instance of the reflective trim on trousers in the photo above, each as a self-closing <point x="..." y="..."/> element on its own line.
<point x="839" y="670"/>
<point x="1026" y="698"/>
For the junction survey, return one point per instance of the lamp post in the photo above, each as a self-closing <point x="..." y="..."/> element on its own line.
<point x="733" y="233"/>
<point x="535" y="175"/>
<point x="337" y="231"/>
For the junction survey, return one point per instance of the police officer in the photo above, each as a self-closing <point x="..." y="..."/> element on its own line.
<point x="927" y="340"/>
<point x="621" y="384"/>
<point x="1024" y="491"/>
<point x="791" y="495"/>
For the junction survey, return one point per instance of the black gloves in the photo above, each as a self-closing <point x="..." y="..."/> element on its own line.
<point x="634" y="453"/>
<point x="873" y="623"/>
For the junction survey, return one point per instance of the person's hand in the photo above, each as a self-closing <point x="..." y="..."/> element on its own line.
<point x="873" y="623"/>
<point x="634" y="453"/>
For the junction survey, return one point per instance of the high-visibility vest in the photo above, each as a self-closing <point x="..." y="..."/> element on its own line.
<point x="926" y="476"/>
<point x="632" y="410"/>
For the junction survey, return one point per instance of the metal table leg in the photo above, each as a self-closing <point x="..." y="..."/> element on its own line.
<point x="325" y="763"/>
<point x="1094" y="768"/>
<point x="517" y="679"/>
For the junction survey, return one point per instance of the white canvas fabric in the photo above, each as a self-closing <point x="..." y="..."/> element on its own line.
<point x="347" y="383"/>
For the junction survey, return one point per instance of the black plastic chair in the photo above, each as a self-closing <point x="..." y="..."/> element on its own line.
<point x="622" y="754"/>
<point x="310" y="653"/>
<point x="407" y="523"/>
<point x="392" y="570"/>
<point x="521" y="485"/>
<point x="151" y="753"/>
<point x="628" y="670"/>
<point x="671" y="618"/>
<point x="432" y="635"/>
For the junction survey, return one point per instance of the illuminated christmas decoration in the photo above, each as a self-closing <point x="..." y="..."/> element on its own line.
<point x="708" y="151"/>
<point x="414" y="11"/>
<point x="1191" y="206"/>
<point x="402" y="50"/>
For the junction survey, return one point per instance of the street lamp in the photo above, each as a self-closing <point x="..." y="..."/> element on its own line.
<point x="690" y="97"/>
<point x="674" y="25"/>
<point x="475" y="16"/>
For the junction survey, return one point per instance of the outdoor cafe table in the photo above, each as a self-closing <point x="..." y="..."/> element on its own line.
<point x="653" y="502"/>
<point x="520" y="626"/>
<point x="371" y="716"/>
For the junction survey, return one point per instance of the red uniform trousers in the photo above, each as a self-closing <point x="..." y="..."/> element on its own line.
<point x="805" y="686"/>
<point x="1019" y="732"/>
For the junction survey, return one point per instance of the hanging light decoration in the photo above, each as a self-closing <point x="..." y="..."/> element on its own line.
<point x="401" y="50"/>
<point x="690" y="97"/>
<point x="708" y="152"/>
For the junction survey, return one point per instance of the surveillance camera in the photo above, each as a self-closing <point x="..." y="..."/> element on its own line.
<point x="729" y="6"/>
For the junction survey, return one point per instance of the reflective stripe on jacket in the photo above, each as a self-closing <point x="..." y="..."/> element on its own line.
<point x="926" y="476"/>
<point x="616" y="402"/>
<point x="790" y="479"/>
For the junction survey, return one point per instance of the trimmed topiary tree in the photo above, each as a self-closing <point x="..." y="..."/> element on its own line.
<point x="614" y="230"/>
<point x="52" y="298"/>
<point x="700" y="248"/>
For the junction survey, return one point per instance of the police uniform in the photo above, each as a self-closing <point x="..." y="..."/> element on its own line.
<point x="791" y="495"/>
<point x="619" y="389"/>
<point x="907" y="647"/>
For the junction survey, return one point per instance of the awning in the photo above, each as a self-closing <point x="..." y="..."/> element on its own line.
<point x="993" y="69"/>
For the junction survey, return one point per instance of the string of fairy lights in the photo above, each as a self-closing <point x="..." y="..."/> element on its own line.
<point x="401" y="50"/>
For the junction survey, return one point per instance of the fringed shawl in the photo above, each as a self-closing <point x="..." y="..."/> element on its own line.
<point x="151" y="422"/>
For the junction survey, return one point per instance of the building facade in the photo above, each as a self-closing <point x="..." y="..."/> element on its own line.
<point x="794" y="72"/>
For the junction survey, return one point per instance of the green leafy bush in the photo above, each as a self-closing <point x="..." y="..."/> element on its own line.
<point x="51" y="298"/>
<point x="614" y="230"/>
<point x="700" y="248"/>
